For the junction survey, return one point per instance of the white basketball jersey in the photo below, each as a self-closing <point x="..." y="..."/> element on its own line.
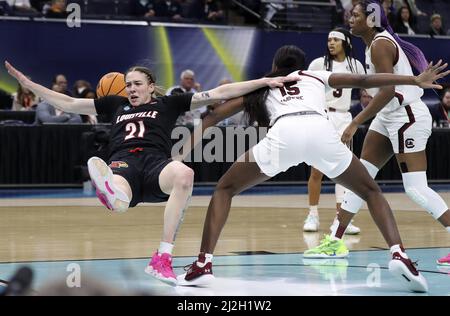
<point x="403" y="94"/>
<point x="307" y="94"/>
<point x="340" y="99"/>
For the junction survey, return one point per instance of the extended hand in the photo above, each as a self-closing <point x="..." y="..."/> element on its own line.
<point x="278" y="82"/>
<point x="23" y="80"/>
<point x="347" y="135"/>
<point x="431" y="74"/>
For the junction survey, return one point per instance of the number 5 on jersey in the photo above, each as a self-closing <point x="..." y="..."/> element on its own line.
<point x="289" y="89"/>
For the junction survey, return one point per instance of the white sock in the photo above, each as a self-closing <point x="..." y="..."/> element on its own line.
<point x="397" y="248"/>
<point x="313" y="210"/>
<point x="208" y="258"/>
<point x="165" y="247"/>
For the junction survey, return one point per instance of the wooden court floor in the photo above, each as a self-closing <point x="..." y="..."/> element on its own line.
<point x="81" y="229"/>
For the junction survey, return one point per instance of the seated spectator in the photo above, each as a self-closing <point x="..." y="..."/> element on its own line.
<point x="46" y="113"/>
<point x="389" y="11"/>
<point x="206" y="10"/>
<point x="440" y="112"/>
<point x="364" y="99"/>
<point x="436" y="26"/>
<point x="187" y="85"/>
<point x="21" y="7"/>
<point x="405" y="23"/>
<point x="57" y="10"/>
<point x="168" y="9"/>
<point x="411" y="4"/>
<point x="79" y="88"/>
<point x="143" y="8"/>
<point x="24" y="100"/>
<point x="61" y="81"/>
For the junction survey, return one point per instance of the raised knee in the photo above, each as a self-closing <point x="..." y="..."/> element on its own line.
<point x="184" y="178"/>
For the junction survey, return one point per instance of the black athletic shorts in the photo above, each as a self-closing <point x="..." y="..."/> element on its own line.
<point x="141" y="168"/>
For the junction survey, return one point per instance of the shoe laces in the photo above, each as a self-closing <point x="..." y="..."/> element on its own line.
<point x="188" y="266"/>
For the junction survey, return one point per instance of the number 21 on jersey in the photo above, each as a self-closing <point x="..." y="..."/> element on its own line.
<point x="134" y="128"/>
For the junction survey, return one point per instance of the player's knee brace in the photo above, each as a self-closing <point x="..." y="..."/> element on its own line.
<point x="339" y="191"/>
<point x="416" y="187"/>
<point x="351" y="202"/>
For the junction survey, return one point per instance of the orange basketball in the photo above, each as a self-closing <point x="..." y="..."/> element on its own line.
<point x="112" y="83"/>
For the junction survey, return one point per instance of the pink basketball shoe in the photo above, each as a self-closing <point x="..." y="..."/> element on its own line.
<point x="102" y="179"/>
<point x="160" y="266"/>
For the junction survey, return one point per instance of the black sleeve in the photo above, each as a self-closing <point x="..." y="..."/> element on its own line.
<point x="181" y="102"/>
<point x="108" y="105"/>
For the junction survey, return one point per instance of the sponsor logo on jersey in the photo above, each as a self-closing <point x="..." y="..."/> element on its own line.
<point x="118" y="164"/>
<point x="409" y="143"/>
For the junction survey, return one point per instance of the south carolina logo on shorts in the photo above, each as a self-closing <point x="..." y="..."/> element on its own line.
<point x="409" y="143"/>
<point x="118" y="164"/>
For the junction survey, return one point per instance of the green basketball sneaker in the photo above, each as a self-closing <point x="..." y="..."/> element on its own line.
<point x="328" y="248"/>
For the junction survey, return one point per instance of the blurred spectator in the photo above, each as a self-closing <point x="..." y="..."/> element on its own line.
<point x="389" y="11"/>
<point x="5" y="100"/>
<point x="5" y="9"/>
<point x="364" y="100"/>
<point x="405" y="23"/>
<point x="46" y="113"/>
<point x="168" y="8"/>
<point x="187" y="85"/>
<point x="83" y="89"/>
<point x="206" y="10"/>
<point x="21" y="7"/>
<point x="143" y="8"/>
<point x="24" y="100"/>
<point x="440" y="112"/>
<point x="61" y="80"/>
<point x="57" y="10"/>
<point x="411" y="4"/>
<point x="436" y="26"/>
<point x="348" y="6"/>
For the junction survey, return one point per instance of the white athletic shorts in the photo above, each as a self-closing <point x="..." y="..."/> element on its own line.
<point x="340" y="120"/>
<point x="408" y="127"/>
<point x="302" y="138"/>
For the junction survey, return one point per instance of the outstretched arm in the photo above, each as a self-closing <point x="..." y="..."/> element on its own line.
<point x="219" y="113"/>
<point x="58" y="100"/>
<point x="425" y="80"/>
<point x="237" y="89"/>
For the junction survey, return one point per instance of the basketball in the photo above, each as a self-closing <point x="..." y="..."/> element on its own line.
<point x="112" y="83"/>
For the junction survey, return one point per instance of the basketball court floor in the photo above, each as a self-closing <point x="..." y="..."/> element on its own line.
<point x="69" y="239"/>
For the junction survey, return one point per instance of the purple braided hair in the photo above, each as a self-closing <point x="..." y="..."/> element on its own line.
<point x="415" y="55"/>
